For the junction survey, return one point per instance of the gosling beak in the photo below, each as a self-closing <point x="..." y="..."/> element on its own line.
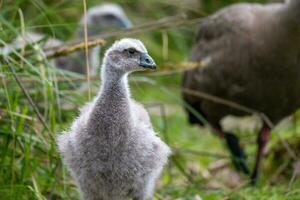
<point x="147" y="62"/>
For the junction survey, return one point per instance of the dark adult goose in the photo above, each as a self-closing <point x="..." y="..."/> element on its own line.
<point x="250" y="55"/>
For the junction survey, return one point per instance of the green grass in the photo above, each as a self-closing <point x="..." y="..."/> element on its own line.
<point x="30" y="166"/>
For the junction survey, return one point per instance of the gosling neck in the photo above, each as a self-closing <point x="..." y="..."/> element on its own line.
<point x="114" y="81"/>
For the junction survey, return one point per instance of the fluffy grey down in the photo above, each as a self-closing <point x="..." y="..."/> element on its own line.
<point x="111" y="149"/>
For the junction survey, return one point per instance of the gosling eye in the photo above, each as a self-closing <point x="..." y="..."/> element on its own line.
<point x="131" y="51"/>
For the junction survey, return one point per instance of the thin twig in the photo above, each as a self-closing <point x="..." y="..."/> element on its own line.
<point x="278" y="171"/>
<point x="167" y="68"/>
<point x="98" y="40"/>
<point x="243" y="108"/>
<point x="182" y="170"/>
<point x="163" y="114"/>
<point x="17" y="114"/>
<point x="199" y="153"/>
<point x="296" y="171"/>
<point x="65" y="50"/>
<point x="219" y="100"/>
<point x="163" y="23"/>
<point x="58" y="51"/>
<point x="286" y="145"/>
<point x="168" y="22"/>
<point x="30" y="101"/>
<point x="158" y="196"/>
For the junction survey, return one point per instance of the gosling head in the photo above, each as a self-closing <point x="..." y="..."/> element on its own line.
<point x="127" y="55"/>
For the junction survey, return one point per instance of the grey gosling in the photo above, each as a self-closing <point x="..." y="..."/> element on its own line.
<point x="250" y="55"/>
<point x="102" y="18"/>
<point x="112" y="150"/>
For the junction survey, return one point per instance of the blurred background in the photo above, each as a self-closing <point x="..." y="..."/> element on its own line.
<point x="38" y="100"/>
